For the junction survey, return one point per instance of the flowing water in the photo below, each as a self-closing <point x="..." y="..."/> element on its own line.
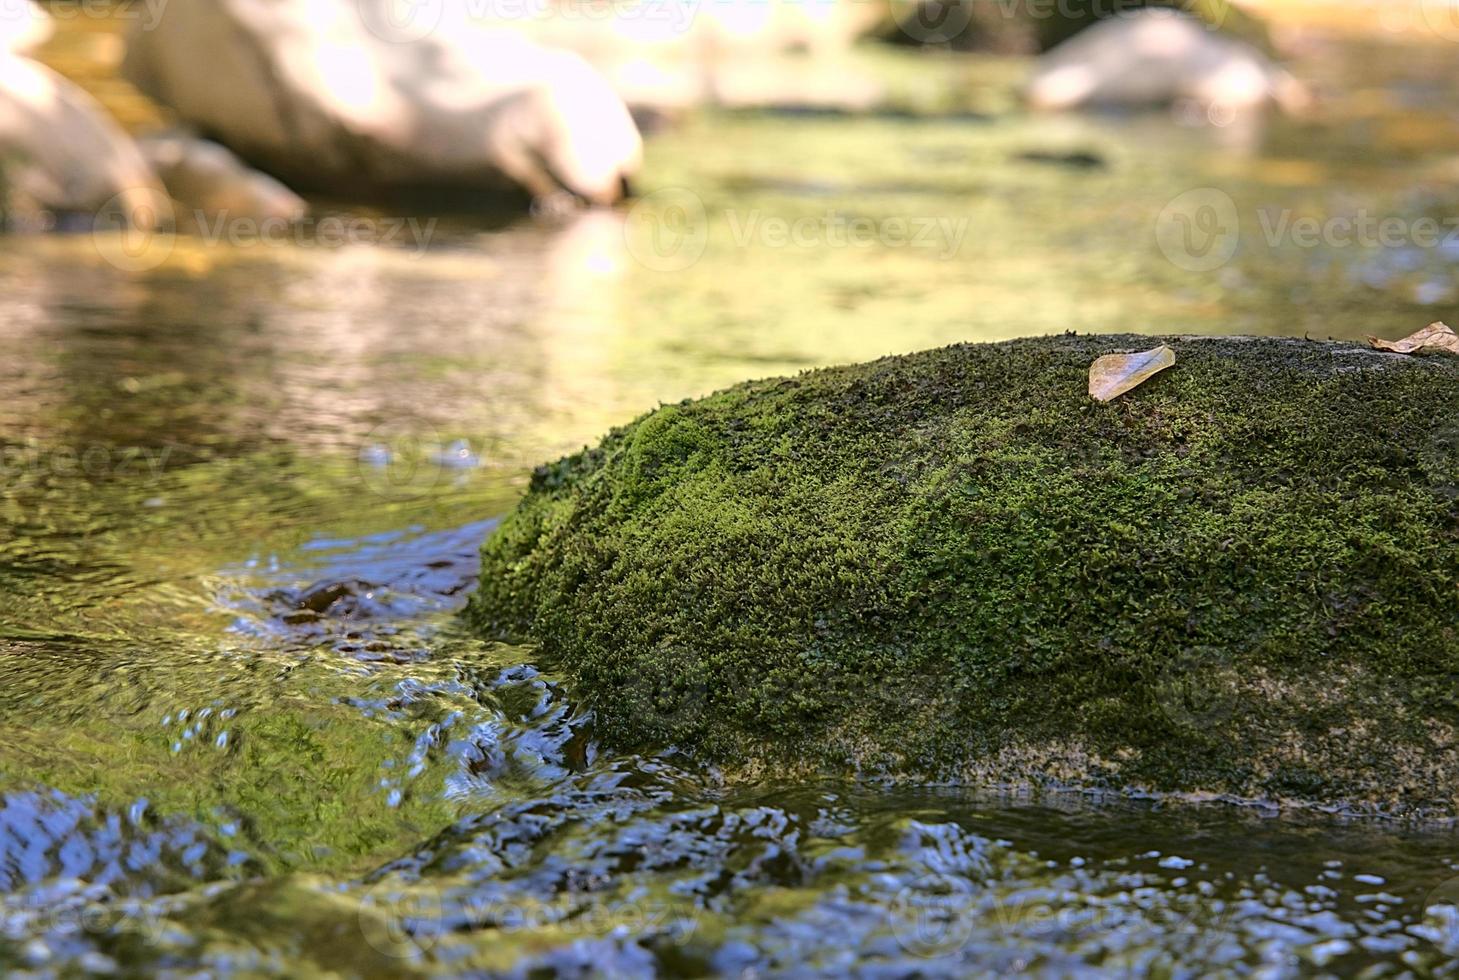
<point x="242" y="486"/>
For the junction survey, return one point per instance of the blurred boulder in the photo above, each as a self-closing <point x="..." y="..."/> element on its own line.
<point x="1156" y="57"/>
<point x="60" y="153"/>
<point x="23" y="27"/>
<point x="348" y="97"/>
<point x="205" y="177"/>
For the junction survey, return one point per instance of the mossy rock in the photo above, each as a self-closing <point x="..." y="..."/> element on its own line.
<point x="1240" y="578"/>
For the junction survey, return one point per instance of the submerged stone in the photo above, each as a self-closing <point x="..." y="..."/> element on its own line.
<point x="1241" y="578"/>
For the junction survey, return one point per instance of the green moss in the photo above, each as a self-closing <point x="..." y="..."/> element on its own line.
<point x="1239" y="578"/>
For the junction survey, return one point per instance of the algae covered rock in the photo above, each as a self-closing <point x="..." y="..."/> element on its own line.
<point x="1240" y="578"/>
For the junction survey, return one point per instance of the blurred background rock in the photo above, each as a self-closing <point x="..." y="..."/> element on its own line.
<point x="459" y="105"/>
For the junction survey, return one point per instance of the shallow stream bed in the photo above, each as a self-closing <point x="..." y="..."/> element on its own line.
<point x="242" y="488"/>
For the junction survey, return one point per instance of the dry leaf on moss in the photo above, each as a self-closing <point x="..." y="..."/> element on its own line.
<point x="1434" y="337"/>
<point x="1114" y="374"/>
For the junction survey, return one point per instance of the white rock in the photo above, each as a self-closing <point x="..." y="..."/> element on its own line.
<point x="62" y="153"/>
<point x="336" y="95"/>
<point x="204" y="176"/>
<point x="1153" y="57"/>
<point x="23" y="26"/>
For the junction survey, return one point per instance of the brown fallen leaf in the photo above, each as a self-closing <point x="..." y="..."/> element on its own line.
<point x="1434" y="337"/>
<point x="1114" y="374"/>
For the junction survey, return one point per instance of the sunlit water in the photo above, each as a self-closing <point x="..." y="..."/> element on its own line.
<point x="241" y="495"/>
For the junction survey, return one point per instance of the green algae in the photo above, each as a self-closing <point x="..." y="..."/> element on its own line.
<point x="1240" y="578"/>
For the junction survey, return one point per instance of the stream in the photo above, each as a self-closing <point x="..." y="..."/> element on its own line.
<point x="243" y="484"/>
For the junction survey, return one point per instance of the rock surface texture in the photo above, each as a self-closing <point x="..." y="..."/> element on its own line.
<point x="1240" y="578"/>
<point x="207" y="179"/>
<point x="61" y="153"/>
<point x="344" y="97"/>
